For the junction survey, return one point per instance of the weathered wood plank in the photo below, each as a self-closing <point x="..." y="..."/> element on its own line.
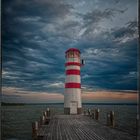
<point x="78" y="127"/>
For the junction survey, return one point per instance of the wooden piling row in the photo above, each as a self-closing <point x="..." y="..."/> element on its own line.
<point x="94" y="114"/>
<point x="44" y="120"/>
<point x="110" y="117"/>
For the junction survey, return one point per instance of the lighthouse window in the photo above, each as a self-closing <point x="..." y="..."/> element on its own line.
<point x="75" y="54"/>
<point x="71" y="54"/>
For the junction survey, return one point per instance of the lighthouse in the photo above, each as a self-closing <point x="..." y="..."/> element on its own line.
<point x="72" y="95"/>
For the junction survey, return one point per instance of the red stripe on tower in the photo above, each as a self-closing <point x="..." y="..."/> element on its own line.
<point x="72" y="72"/>
<point x="72" y="63"/>
<point x="72" y="85"/>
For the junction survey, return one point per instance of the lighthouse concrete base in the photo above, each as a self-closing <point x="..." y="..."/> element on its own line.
<point x="79" y="110"/>
<point x="67" y="111"/>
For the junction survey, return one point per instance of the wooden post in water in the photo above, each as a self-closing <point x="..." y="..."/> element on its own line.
<point x="92" y="114"/>
<point x="108" y="119"/>
<point x="35" y="127"/>
<point x="48" y="115"/>
<point x="45" y="113"/>
<point x="48" y="112"/>
<point x="97" y="114"/>
<point x="42" y="120"/>
<point x="89" y="111"/>
<point x="112" y="119"/>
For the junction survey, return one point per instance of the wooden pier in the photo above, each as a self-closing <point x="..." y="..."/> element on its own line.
<point x="78" y="127"/>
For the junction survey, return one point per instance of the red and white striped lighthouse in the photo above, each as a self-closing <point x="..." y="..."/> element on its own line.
<point x="72" y="96"/>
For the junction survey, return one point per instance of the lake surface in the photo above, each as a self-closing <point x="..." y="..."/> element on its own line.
<point x="17" y="120"/>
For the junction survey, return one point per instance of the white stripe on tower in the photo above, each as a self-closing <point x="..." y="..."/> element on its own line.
<point x="73" y="79"/>
<point x="73" y="60"/>
<point x="72" y="90"/>
<point x="75" y="95"/>
<point x="71" y="67"/>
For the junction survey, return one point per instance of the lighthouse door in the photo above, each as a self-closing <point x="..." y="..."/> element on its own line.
<point x="73" y="107"/>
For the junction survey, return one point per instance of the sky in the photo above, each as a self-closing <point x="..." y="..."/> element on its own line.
<point x="36" y="34"/>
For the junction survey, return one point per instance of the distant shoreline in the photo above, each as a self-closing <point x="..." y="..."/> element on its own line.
<point x="22" y="104"/>
<point x="12" y="104"/>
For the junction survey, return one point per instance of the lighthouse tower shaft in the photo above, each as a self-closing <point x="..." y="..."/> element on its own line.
<point x="72" y="96"/>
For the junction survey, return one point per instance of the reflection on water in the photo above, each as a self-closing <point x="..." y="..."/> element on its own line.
<point x="16" y="120"/>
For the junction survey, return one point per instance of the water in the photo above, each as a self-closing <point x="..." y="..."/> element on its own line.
<point x="17" y="120"/>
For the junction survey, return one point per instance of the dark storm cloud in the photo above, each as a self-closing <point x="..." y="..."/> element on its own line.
<point x="36" y="34"/>
<point x="97" y="15"/>
<point x="127" y="33"/>
<point x="34" y="8"/>
<point x="92" y="19"/>
<point x="112" y="61"/>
